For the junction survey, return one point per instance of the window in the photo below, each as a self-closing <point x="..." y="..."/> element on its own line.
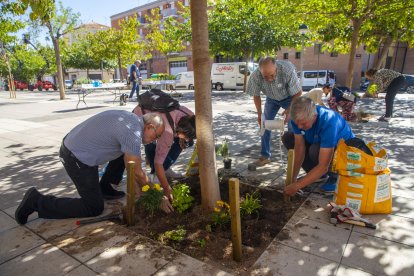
<point x="285" y="55"/>
<point x="314" y="74"/>
<point x="297" y="55"/>
<point x="174" y="64"/>
<point x="334" y="54"/>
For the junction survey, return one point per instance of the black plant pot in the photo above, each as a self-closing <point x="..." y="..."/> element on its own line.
<point x="227" y="164"/>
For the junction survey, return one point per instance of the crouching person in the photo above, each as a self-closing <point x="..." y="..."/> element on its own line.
<point x="101" y="138"/>
<point x="316" y="133"/>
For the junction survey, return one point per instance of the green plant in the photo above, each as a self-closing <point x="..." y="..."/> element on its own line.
<point x="182" y="200"/>
<point x="221" y="214"/>
<point x="372" y="89"/>
<point x="202" y="242"/>
<point x="223" y="149"/>
<point x="176" y="235"/>
<point x="151" y="198"/>
<point x="250" y="204"/>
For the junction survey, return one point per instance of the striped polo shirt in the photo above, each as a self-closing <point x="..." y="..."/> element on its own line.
<point x="106" y="136"/>
<point x="285" y="84"/>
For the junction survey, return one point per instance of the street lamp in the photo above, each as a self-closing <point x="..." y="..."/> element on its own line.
<point x="303" y="29"/>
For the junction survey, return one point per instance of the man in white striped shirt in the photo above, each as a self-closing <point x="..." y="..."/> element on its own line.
<point x="278" y="81"/>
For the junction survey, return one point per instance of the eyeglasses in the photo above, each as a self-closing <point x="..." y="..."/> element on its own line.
<point x="157" y="136"/>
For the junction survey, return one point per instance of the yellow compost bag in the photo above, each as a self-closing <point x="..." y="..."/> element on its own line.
<point x="348" y="158"/>
<point x="369" y="194"/>
<point x="192" y="168"/>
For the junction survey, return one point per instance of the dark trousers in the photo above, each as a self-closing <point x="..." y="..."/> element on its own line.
<point x="135" y="87"/>
<point x="86" y="180"/>
<point x="172" y="155"/>
<point x="311" y="151"/>
<point x="392" y="91"/>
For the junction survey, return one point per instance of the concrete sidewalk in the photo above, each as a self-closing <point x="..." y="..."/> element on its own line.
<point x="33" y="125"/>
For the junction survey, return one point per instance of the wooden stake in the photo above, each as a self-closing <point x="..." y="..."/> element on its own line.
<point x="289" y="173"/>
<point x="235" y="218"/>
<point x="130" y="210"/>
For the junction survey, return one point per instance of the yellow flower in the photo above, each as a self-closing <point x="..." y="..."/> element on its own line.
<point x="220" y="203"/>
<point x="217" y="210"/>
<point x="145" y="188"/>
<point x="157" y="187"/>
<point x="227" y="205"/>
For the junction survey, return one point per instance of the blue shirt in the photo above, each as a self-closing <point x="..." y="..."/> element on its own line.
<point x="327" y="130"/>
<point x="135" y="69"/>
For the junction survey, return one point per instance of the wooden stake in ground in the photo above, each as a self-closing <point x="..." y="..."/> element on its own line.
<point x="235" y="218"/>
<point x="130" y="210"/>
<point x="289" y="173"/>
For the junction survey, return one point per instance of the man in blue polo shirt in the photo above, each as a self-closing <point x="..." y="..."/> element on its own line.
<point x="316" y="133"/>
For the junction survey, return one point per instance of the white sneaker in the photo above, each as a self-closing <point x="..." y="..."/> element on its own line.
<point x="172" y="174"/>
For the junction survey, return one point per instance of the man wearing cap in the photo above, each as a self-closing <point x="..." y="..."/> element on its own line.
<point x="134" y="76"/>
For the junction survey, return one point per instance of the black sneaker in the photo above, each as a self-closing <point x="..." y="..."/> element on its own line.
<point x="110" y="193"/>
<point x="27" y="206"/>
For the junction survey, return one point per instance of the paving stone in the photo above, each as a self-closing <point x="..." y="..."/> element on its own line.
<point x="185" y="265"/>
<point x="279" y="259"/>
<point x="49" y="229"/>
<point x="378" y="256"/>
<point x="82" y="270"/>
<point x="6" y="222"/>
<point x="16" y="241"/>
<point x="43" y="260"/>
<point x="86" y="242"/>
<point x="403" y="206"/>
<point x="133" y="256"/>
<point x="343" y="270"/>
<point x="320" y="239"/>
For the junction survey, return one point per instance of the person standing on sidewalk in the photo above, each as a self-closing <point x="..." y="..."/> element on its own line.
<point x="278" y="81"/>
<point x="107" y="136"/>
<point x="387" y="81"/>
<point x="134" y="77"/>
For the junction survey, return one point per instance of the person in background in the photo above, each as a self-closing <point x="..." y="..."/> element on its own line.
<point x="106" y="136"/>
<point x="336" y="100"/>
<point x="134" y="77"/>
<point x="278" y="81"/>
<point x="387" y="81"/>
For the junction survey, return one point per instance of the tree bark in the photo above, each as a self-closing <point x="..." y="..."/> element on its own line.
<point x="210" y="192"/>
<point x="120" y="67"/>
<point x="55" y="42"/>
<point x="383" y="55"/>
<point x="246" y="73"/>
<point x="354" y="44"/>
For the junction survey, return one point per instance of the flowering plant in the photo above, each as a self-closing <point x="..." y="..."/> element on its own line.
<point x="182" y="200"/>
<point x="221" y="214"/>
<point x="151" y="198"/>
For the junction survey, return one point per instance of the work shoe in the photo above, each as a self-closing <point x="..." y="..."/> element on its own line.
<point x="329" y="187"/>
<point x="262" y="161"/>
<point x="172" y="174"/>
<point x="110" y="193"/>
<point x="27" y="206"/>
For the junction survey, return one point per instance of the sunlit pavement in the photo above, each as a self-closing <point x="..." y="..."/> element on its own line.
<point x="33" y="125"/>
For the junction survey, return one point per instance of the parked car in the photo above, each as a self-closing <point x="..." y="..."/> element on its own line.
<point x="18" y="85"/>
<point x="42" y="85"/>
<point x="316" y="78"/>
<point x="409" y="87"/>
<point x="68" y="84"/>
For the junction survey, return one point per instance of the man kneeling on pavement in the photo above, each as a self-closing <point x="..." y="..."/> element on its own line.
<point x="109" y="135"/>
<point x="316" y="133"/>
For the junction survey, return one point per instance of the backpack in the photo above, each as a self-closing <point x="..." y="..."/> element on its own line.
<point x="159" y="101"/>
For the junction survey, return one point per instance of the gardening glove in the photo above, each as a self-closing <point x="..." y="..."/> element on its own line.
<point x="166" y="205"/>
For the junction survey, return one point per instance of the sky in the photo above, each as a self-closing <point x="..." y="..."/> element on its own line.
<point x="100" y="11"/>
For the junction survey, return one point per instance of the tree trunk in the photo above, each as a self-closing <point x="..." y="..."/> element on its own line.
<point x="380" y="61"/>
<point x="246" y="73"/>
<point x="120" y="67"/>
<point x="55" y="42"/>
<point x="210" y="192"/>
<point x="354" y="45"/>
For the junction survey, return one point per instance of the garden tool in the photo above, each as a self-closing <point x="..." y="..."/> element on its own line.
<point x="118" y="215"/>
<point x="345" y="214"/>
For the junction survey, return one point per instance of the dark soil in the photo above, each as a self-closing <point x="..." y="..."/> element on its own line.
<point x="212" y="244"/>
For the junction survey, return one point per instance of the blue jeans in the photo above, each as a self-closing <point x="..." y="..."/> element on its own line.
<point x="135" y="87"/>
<point x="172" y="155"/>
<point x="270" y="110"/>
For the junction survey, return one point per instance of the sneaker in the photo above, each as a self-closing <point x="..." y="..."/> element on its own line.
<point x="27" y="206"/>
<point x="172" y="174"/>
<point x="384" y="119"/>
<point x="329" y="187"/>
<point x="262" y="161"/>
<point x="322" y="179"/>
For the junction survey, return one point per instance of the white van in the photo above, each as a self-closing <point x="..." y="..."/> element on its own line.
<point x="316" y="78"/>
<point x="230" y="75"/>
<point x="184" y="80"/>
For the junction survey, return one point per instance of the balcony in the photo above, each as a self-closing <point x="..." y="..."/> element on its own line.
<point x="169" y="12"/>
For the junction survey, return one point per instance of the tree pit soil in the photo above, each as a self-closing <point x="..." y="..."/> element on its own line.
<point x="212" y="244"/>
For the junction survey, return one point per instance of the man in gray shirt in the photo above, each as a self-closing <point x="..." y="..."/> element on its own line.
<point x="104" y="137"/>
<point x="279" y="82"/>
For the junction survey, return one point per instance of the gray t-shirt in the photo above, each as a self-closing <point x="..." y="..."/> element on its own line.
<point x="106" y="136"/>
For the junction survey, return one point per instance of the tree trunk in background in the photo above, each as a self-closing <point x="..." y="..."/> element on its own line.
<point x="383" y="55"/>
<point x="354" y="45"/>
<point x="121" y="77"/>
<point x="246" y="73"/>
<point x="210" y="192"/>
<point x="55" y="42"/>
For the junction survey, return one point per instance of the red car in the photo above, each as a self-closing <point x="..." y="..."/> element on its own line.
<point x="17" y="85"/>
<point x="42" y="85"/>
